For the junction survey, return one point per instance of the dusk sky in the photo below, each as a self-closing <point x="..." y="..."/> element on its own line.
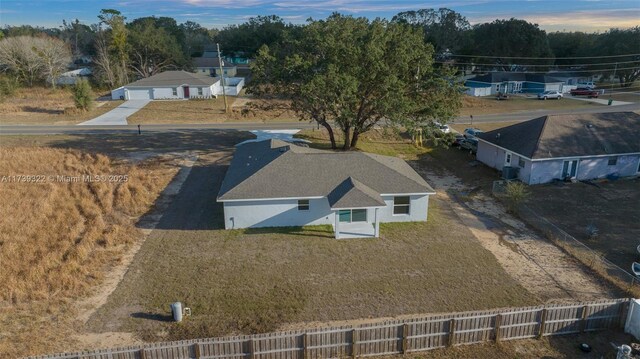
<point x="569" y="15"/>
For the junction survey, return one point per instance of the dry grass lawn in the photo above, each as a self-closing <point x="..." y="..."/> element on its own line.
<point x="58" y="239"/>
<point x="257" y="280"/>
<point x="45" y="106"/>
<point x="206" y="111"/>
<point x="489" y="105"/>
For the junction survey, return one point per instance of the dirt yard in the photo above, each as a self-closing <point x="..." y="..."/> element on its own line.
<point x="489" y="105"/>
<point x="44" y="106"/>
<point x="209" y="111"/>
<point x="611" y="206"/>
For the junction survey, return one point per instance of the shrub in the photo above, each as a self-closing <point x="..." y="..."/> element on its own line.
<point x="82" y="95"/>
<point x="517" y="193"/>
<point x="8" y="87"/>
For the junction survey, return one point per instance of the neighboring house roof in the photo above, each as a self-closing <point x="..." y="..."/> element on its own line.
<point x="570" y="135"/>
<point x="210" y="62"/>
<point x="174" y="79"/>
<point x="277" y="169"/>
<point x="500" y="77"/>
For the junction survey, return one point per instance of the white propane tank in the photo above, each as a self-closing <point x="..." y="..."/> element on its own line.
<point x="176" y="311"/>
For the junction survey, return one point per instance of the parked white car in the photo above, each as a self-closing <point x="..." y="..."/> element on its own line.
<point x="550" y="95"/>
<point x="443" y="128"/>
<point x="590" y="85"/>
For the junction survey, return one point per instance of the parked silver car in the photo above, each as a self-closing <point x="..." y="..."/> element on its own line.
<point x="550" y="95"/>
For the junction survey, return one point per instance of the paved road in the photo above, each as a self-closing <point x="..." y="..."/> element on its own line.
<point x="117" y="116"/>
<point x="246" y="126"/>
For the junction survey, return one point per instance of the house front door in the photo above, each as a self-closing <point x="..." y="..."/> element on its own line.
<point x="569" y="169"/>
<point x="186" y="91"/>
<point x="507" y="159"/>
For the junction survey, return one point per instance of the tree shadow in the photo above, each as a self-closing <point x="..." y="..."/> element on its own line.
<point x="41" y="110"/>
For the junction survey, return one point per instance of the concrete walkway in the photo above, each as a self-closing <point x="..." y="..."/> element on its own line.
<point x="602" y="101"/>
<point x="117" y="116"/>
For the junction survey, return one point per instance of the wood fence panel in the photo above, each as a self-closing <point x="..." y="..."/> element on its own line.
<point x="385" y="337"/>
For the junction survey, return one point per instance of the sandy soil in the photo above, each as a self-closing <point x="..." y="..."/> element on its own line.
<point x="538" y="265"/>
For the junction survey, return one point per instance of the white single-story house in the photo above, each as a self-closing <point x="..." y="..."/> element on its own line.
<point x="177" y="85"/>
<point x="273" y="183"/>
<point x="211" y="66"/>
<point x="71" y="77"/>
<point x="511" y="82"/>
<point x="561" y="147"/>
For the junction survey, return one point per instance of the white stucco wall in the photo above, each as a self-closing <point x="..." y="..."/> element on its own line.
<point x="599" y="167"/>
<point x="283" y="213"/>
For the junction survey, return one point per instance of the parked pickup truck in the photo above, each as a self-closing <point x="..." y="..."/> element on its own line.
<point x="583" y="91"/>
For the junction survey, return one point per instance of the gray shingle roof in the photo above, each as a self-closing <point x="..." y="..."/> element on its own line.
<point x="210" y="62"/>
<point x="571" y="135"/>
<point x="351" y="193"/>
<point x="174" y="79"/>
<point x="276" y="169"/>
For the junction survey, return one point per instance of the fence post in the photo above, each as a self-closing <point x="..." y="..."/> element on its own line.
<point x="354" y="341"/>
<point x="623" y="312"/>
<point x="452" y="331"/>
<point x="498" y="324"/>
<point x="142" y="354"/>
<point x="405" y="340"/>
<point x="305" y="343"/>
<point x="543" y="319"/>
<point x="585" y="317"/>
<point x="252" y="349"/>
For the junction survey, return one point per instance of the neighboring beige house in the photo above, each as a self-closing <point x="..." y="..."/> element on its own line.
<point x="209" y="63"/>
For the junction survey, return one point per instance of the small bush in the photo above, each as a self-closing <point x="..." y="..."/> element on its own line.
<point x="517" y="193"/>
<point x="8" y="87"/>
<point x="82" y="95"/>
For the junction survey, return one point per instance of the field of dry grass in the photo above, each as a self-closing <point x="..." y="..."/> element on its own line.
<point x="59" y="236"/>
<point x="38" y="106"/>
<point x="489" y="105"/>
<point x="207" y="111"/>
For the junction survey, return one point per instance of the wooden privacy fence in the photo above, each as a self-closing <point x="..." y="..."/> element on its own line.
<point x="386" y="337"/>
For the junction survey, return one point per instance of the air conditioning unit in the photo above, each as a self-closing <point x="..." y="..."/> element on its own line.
<point x="509" y="173"/>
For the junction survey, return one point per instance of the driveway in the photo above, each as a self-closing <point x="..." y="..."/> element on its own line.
<point x="117" y="116"/>
<point x="602" y="101"/>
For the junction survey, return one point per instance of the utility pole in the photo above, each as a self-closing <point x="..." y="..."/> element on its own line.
<point x="613" y="79"/>
<point x="224" y="94"/>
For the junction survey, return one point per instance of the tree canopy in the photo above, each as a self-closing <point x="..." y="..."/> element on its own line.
<point x="356" y="73"/>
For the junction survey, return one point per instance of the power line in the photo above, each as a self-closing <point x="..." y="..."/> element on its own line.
<point x="538" y="65"/>
<point x="545" y="58"/>
<point x="579" y="71"/>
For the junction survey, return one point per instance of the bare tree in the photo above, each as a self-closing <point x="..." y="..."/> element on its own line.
<point x="54" y="56"/>
<point x="103" y="60"/>
<point x="17" y="56"/>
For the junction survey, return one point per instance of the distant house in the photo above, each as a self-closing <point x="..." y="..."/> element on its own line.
<point x="71" y="77"/>
<point x="562" y="147"/>
<point x="511" y="82"/>
<point x="171" y="85"/>
<point x="273" y="183"/>
<point x="209" y="63"/>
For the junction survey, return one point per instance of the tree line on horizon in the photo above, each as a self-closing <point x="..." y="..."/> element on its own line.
<point x="124" y="50"/>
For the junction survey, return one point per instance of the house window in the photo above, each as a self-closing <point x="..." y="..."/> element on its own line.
<point x="613" y="161"/>
<point x="303" y="205"/>
<point x="521" y="163"/>
<point x="352" y="215"/>
<point x="401" y="205"/>
<point x="174" y="91"/>
<point x="199" y="91"/>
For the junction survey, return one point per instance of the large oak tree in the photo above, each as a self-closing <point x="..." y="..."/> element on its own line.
<point x="353" y="73"/>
